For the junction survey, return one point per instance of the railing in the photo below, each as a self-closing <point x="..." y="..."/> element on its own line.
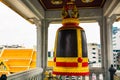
<point x="117" y="75"/>
<point x="32" y="74"/>
<point x="35" y="74"/>
<point x="95" y="74"/>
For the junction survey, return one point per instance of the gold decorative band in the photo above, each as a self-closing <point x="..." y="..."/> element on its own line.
<point x="70" y="20"/>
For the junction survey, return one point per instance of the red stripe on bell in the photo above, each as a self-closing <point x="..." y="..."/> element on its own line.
<point x="80" y="59"/>
<point x="67" y="64"/>
<point x="84" y="64"/>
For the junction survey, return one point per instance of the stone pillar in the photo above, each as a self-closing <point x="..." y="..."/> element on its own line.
<point x="42" y="41"/>
<point x="102" y="24"/>
<point x="108" y="30"/>
<point x="109" y="21"/>
<point x="45" y="25"/>
<point x="106" y="44"/>
<point x="109" y="41"/>
<point x="39" y="42"/>
<point x="39" y="45"/>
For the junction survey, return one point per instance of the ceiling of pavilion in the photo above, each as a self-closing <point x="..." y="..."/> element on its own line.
<point x="48" y="5"/>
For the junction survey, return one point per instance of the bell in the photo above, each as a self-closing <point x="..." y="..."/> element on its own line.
<point x="70" y="51"/>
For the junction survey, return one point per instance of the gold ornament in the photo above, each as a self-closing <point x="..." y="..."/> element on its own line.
<point x="56" y="2"/>
<point x="87" y="1"/>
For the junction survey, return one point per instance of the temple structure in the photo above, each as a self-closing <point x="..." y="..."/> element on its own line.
<point x="44" y="12"/>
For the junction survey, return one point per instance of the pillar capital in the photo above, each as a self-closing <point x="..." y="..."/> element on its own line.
<point x="37" y="22"/>
<point x="111" y="19"/>
<point x="45" y="22"/>
<point x="100" y="21"/>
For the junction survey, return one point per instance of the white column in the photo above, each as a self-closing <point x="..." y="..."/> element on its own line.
<point x="109" y="26"/>
<point x="42" y="41"/>
<point x="39" y="43"/>
<point x="39" y="46"/>
<point x="45" y="25"/>
<point x="109" y="41"/>
<point x="106" y="44"/>
<point x="110" y="21"/>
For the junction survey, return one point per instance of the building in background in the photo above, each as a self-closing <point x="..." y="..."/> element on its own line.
<point x="116" y="46"/>
<point x="94" y="55"/>
<point x="11" y="46"/>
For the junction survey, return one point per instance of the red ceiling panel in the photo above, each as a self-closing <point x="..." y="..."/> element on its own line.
<point x="95" y="4"/>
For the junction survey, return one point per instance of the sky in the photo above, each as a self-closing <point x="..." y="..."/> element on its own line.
<point x="15" y="30"/>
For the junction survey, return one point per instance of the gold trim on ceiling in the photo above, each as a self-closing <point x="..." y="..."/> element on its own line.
<point x="99" y="6"/>
<point x="87" y="1"/>
<point x="56" y="2"/>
